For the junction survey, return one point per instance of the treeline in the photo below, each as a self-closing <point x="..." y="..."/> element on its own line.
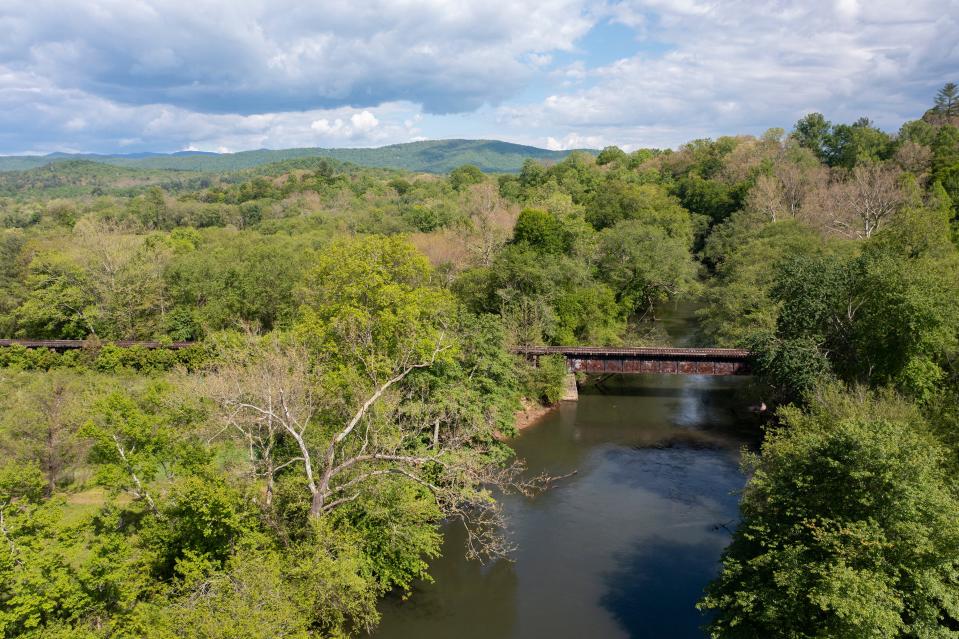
<point x="841" y="272"/>
<point x="584" y="258"/>
<point x="354" y="379"/>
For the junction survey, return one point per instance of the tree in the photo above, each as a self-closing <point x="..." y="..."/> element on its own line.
<point x="334" y="391"/>
<point x="540" y="230"/>
<point x="40" y="420"/>
<point x="866" y="200"/>
<point x="644" y="265"/>
<point x="464" y="176"/>
<point x="849" y="145"/>
<point x="711" y="198"/>
<point x="887" y="316"/>
<point x="130" y="445"/>
<point x="947" y="100"/>
<point x="789" y="192"/>
<point x="609" y="155"/>
<point x="945" y="150"/>
<point x="60" y="301"/>
<point x="739" y="305"/>
<point x="849" y="529"/>
<point x="648" y="203"/>
<point x="811" y="132"/>
<point x="490" y="220"/>
<point x="231" y="277"/>
<point x="38" y="586"/>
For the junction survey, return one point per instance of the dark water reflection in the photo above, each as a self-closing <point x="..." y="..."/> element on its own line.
<point x="621" y="549"/>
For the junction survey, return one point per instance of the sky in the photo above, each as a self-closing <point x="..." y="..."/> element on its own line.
<point x="126" y="76"/>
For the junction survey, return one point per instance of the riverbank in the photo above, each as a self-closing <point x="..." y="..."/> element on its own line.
<point x="624" y="547"/>
<point x="531" y="413"/>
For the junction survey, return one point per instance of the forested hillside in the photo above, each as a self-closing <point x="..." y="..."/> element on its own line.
<point x="431" y="156"/>
<point x="352" y="385"/>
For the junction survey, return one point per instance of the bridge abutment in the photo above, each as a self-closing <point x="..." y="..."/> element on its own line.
<point x="570" y="391"/>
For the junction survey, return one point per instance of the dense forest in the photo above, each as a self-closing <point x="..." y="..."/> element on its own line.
<point x="351" y="388"/>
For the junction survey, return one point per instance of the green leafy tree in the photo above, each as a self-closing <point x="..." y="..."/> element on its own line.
<point x="540" y="230"/>
<point x="644" y="265"/>
<point x="464" y="176"/>
<point x="130" y="445"/>
<point x="945" y="150"/>
<point x="59" y="304"/>
<point x="848" y="146"/>
<point x="711" y="198"/>
<point x="611" y="154"/>
<point x="41" y="415"/>
<point x="918" y="131"/>
<point x="647" y="203"/>
<point x="337" y="390"/>
<point x="812" y="132"/>
<point x="850" y="529"/>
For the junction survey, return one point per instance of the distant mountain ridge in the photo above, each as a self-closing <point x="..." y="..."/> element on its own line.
<point x="431" y="156"/>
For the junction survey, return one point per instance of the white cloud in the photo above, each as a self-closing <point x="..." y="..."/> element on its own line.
<point x="576" y="141"/>
<point x="364" y="122"/>
<point x="251" y="56"/>
<point x="55" y="119"/>
<point x="739" y="66"/>
<point x="102" y="75"/>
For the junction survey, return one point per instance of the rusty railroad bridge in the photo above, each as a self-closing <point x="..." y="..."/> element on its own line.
<point x="599" y="360"/>
<point x="673" y="361"/>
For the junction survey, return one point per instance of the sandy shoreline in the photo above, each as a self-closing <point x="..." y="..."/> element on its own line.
<point x="531" y="413"/>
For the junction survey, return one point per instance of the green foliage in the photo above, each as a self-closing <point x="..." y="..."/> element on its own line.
<point x="711" y="198"/>
<point x="646" y="203"/>
<point x="918" y="131"/>
<point x="849" y="530"/>
<point x="738" y="300"/>
<point x="231" y="278"/>
<point x="812" y="132"/>
<point x="129" y="444"/>
<point x="545" y="380"/>
<point x="395" y="527"/>
<point x="58" y="304"/>
<point x="844" y="145"/>
<point x="251" y="599"/>
<point x="378" y="288"/>
<point x="203" y="520"/>
<point x="947" y="100"/>
<point x="464" y="176"/>
<point x="107" y="358"/>
<point x="540" y="230"/>
<point x="850" y="145"/>
<point x="609" y="155"/>
<point x="645" y="265"/>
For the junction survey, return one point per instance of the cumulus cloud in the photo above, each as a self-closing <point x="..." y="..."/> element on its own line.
<point x="738" y="66"/>
<point x="254" y="56"/>
<point x="109" y="75"/>
<point x="575" y="141"/>
<point x="37" y="116"/>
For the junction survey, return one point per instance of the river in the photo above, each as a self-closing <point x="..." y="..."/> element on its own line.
<point x="624" y="547"/>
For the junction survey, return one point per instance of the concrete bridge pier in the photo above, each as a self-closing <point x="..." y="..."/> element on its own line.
<point x="570" y="391"/>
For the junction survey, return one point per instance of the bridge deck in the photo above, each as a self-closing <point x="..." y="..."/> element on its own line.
<point x="638" y="352"/>
<point x="640" y="360"/>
